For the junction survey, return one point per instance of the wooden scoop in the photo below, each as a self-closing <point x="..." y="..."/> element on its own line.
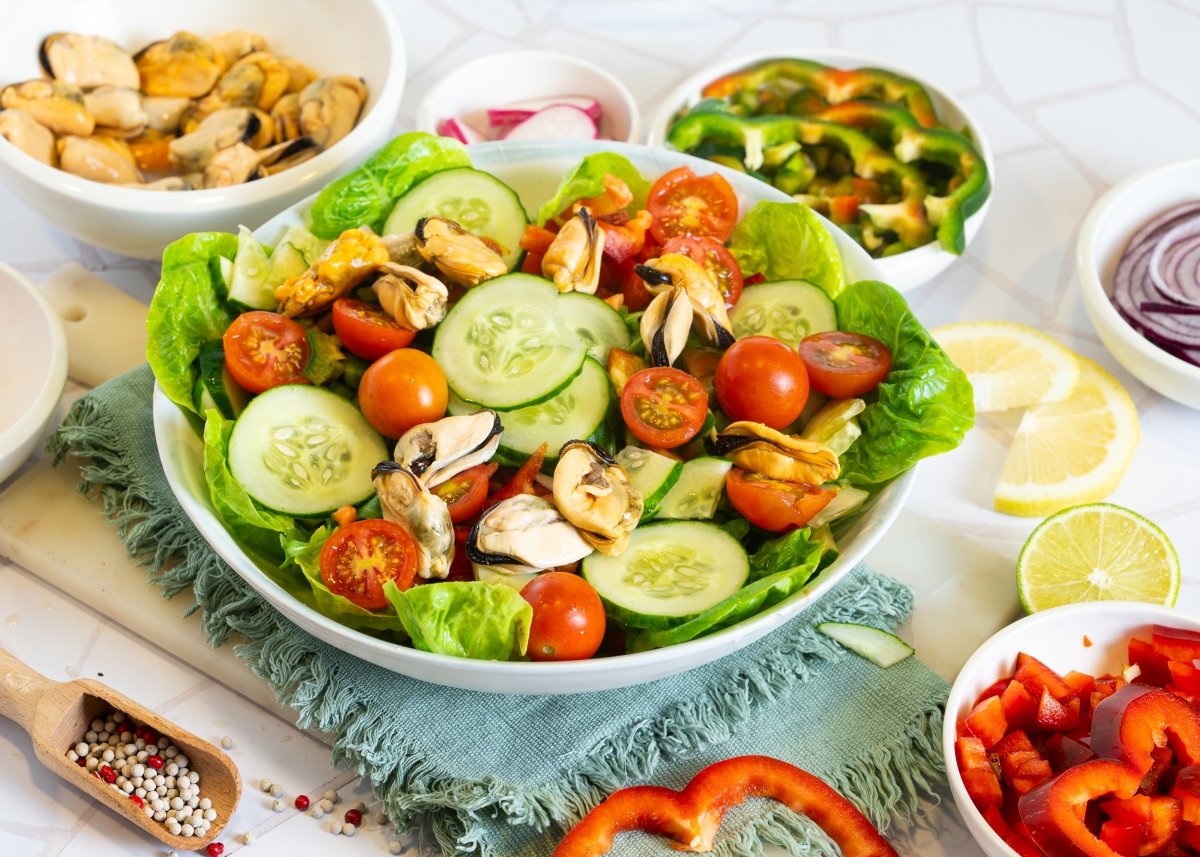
<point x="57" y="714"/>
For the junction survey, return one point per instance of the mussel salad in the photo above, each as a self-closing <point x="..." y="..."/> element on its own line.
<point x="640" y="418"/>
<point x="182" y="113"/>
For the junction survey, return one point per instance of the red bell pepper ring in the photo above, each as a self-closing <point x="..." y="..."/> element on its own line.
<point x="692" y="816"/>
<point x="1065" y="752"/>
<point x="1054" y="811"/>
<point x="1166" y="816"/>
<point x="1136" y="719"/>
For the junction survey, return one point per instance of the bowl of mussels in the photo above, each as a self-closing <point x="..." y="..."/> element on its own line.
<point x="133" y="124"/>
<point x="893" y="160"/>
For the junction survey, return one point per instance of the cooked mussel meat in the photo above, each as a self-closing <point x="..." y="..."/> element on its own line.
<point x="117" y="111"/>
<point x="665" y="324"/>
<point x="573" y="258"/>
<point x="416" y="300"/>
<point x="329" y="108"/>
<point x="232" y="45"/>
<point x="101" y="159"/>
<point x="224" y="128"/>
<point x="525" y="533"/>
<point x="710" y="316"/>
<point x="348" y="260"/>
<point x="28" y="135"/>
<point x="440" y="450"/>
<point x="464" y="258"/>
<point x="57" y="105"/>
<point x="87" y="61"/>
<point x="256" y="80"/>
<point x="406" y="501"/>
<point x="593" y="492"/>
<point x="788" y="458"/>
<point x="185" y="66"/>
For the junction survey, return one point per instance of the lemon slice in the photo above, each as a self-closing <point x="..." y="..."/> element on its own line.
<point x="1009" y="365"/>
<point x="1070" y="452"/>
<point x="1096" y="552"/>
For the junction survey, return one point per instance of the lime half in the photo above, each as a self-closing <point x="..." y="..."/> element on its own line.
<point x="1096" y="552"/>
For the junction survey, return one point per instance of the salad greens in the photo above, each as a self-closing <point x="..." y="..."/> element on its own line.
<point x="467" y="619"/>
<point x="785" y="241"/>
<point x="587" y="179"/>
<point x="188" y="310"/>
<point x="368" y="194"/>
<point x="925" y="405"/>
<point x="778" y="570"/>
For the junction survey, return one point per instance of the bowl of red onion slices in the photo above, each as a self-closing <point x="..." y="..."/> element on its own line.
<point x="1138" y="259"/>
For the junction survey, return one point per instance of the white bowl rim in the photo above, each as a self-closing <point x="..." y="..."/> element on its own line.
<point x="1088" y="266"/>
<point x="46" y="399"/>
<point x="831" y="56"/>
<point x="426" y="121"/>
<point x="777" y="615"/>
<point x="141" y="201"/>
<point x="1005" y="637"/>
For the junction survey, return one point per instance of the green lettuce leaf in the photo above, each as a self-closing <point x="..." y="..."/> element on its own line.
<point x="254" y="526"/>
<point x="587" y="179"/>
<point x="306" y="555"/>
<point x="367" y="195"/>
<point x="469" y="619"/>
<point x="188" y="309"/>
<point x="925" y="405"/>
<point x="787" y="241"/>
<point x="778" y="569"/>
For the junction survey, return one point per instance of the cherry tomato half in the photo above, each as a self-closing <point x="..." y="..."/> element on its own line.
<point x="464" y="492"/>
<point x="774" y="505"/>
<point x="719" y="262"/>
<point x="763" y="380"/>
<point x="265" y="350"/>
<point x="684" y="203"/>
<point x="402" y="389"/>
<point x="367" y="330"/>
<point x="568" y="617"/>
<point x="664" y="407"/>
<point x="359" y="558"/>
<point x="842" y="364"/>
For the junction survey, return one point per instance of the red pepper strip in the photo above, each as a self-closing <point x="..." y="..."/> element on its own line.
<point x="1019" y="707"/>
<point x="1137" y="719"/>
<point x="1166" y="814"/>
<point x="522" y="480"/>
<point x="692" y="816"/>
<point x="1184" y="676"/>
<point x="1187" y="791"/>
<point x="1153" y="665"/>
<point x="987" y="721"/>
<point x="1035" y="675"/>
<point x="1056" y="716"/>
<point x="1176" y="644"/>
<point x="978" y="776"/>
<point x="1054" y="811"/>
<point x="1122" y="837"/>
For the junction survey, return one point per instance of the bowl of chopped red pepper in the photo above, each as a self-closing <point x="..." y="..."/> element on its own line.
<point x="893" y="160"/>
<point x="1076" y="731"/>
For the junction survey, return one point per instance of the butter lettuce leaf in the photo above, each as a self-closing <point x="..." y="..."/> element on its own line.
<point x="366" y="195"/>
<point x="787" y="241"/>
<point x="467" y="619"/>
<point x="587" y="179"/>
<point x="188" y="310"/>
<point x="924" y="407"/>
<point x="778" y="570"/>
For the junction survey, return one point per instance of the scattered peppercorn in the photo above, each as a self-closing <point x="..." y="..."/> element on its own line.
<point x="302" y="802"/>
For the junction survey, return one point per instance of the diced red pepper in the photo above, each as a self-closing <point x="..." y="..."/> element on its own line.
<point x="978" y="775"/>
<point x="995" y="820"/>
<point x="1128" y="810"/>
<point x="1054" y="811"/>
<point x="1189" y="837"/>
<point x="1187" y="790"/>
<point x="1064" y="752"/>
<point x="996" y="688"/>
<point x="1136" y="719"/>
<point x="1176" y="644"/>
<point x="1165" y="819"/>
<point x="1023" y="845"/>
<point x="1123" y="838"/>
<point x="1036" y="676"/>
<point x="1019" y="707"/>
<point x="522" y="480"/>
<point x="1056" y="716"/>
<point x="1151" y="662"/>
<point x="532" y="264"/>
<point x="537" y="239"/>
<point x="1185" y="676"/>
<point x="1021" y="766"/>
<point x="1081" y="684"/>
<point x="987" y="722"/>
<point x="844" y="209"/>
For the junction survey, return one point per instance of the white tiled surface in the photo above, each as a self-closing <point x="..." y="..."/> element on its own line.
<point x="1074" y="95"/>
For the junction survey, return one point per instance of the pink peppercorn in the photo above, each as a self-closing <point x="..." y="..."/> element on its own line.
<point x="156" y="762"/>
<point x="354" y="816"/>
<point x="215" y="849"/>
<point x="108" y="774"/>
<point x="137" y="801"/>
<point x="302" y="802"/>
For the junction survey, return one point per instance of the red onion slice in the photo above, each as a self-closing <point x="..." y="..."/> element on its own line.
<point x="1174" y="262"/>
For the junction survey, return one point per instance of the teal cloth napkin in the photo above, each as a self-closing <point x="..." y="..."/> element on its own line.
<point x="505" y="775"/>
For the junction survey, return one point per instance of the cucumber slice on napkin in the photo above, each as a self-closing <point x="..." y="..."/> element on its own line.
<point x="876" y="645"/>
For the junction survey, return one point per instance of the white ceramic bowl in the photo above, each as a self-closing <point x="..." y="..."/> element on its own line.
<point x="495" y="80"/>
<point x="1055" y="637"/>
<point x="533" y="170"/>
<point x="33" y="354"/>
<point x="1108" y="227"/>
<point x="904" y="271"/>
<point x="358" y="37"/>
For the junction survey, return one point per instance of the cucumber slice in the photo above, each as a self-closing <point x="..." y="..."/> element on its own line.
<point x="698" y="490"/>
<point x="505" y="346"/>
<point x="475" y="200"/>
<point x="788" y="310"/>
<point x="488" y="574"/>
<point x="216" y="388"/>
<point x="670" y="572"/>
<point x="304" y="451"/>
<point x="876" y="645"/>
<point x="249" y="280"/>
<point x="598" y="326"/>
<point x="308" y="246"/>
<point x="651" y="473"/>
<point x="578" y="411"/>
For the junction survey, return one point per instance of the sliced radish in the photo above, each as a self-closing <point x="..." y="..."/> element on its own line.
<point x="557" y="122"/>
<point x="519" y="111"/>
<point x="460" y="131"/>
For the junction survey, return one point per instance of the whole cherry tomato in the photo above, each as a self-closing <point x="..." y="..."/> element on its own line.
<point x="762" y="380"/>
<point x="402" y="389"/>
<point x="568" y="617"/>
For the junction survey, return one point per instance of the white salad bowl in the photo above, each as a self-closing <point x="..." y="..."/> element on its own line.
<point x="355" y="37"/>
<point x="1110" y="224"/>
<point x="1092" y="638"/>
<point x="904" y="271"/>
<point x="532" y="169"/>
